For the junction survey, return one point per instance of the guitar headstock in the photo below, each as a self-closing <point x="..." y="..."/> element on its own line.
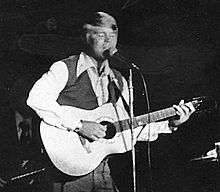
<point x="204" y="103"/>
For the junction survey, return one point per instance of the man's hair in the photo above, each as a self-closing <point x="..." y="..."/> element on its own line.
<point x="99" y="19"/>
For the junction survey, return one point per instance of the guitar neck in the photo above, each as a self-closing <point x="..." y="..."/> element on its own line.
<point x="147" y="118"/>
<point x="154" y="116"/>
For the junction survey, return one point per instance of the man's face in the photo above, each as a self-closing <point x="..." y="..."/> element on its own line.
<point x="100" y="39"/>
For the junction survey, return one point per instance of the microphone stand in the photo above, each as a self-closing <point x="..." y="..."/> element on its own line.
<point x="131" y="99"/>
<point x="131" y="111"/>
<point x="130" y="87"/>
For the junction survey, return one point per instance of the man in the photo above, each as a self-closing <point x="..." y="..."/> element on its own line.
<point x="83" y="81"/>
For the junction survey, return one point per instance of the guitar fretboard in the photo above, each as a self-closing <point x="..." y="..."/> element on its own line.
<point x="155" y="116"/>
<point x="145" y="119"/>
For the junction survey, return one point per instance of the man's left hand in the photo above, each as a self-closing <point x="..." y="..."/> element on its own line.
<point x="183" y="110"/>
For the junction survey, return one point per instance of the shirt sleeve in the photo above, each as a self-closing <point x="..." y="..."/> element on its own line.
<point x="150" y="131"/>
<point x="43" y="97"/>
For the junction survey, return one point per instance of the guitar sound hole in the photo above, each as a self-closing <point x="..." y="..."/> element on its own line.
<point x="111" y="131"/>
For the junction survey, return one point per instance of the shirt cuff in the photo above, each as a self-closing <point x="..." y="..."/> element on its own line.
<point x="72" y="126"/>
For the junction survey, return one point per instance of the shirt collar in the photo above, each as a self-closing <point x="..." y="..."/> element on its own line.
<point x="85" y="62"/>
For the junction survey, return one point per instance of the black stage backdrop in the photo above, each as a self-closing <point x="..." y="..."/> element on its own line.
<point x="176" y="45"/>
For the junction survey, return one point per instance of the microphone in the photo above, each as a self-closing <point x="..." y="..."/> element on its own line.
<point x="121" y="58"/>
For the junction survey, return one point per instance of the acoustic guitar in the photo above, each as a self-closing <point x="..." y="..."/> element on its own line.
<point x="76" y="156"/>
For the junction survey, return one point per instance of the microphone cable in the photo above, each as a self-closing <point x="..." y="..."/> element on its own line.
<point x="146" y="94"/>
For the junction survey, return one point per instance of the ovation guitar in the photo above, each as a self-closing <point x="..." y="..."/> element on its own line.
<point x="76" y="156"/>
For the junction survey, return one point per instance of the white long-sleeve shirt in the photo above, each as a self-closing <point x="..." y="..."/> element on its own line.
<point x="43" y="96"/>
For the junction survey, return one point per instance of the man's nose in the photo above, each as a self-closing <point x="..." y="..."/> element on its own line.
<point x="107" y="38"/>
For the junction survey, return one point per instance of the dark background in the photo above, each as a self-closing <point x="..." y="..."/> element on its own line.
<point x="174" y="42"/>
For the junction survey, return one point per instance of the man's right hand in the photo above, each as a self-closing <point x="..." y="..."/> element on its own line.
<point x="91" y="130"/>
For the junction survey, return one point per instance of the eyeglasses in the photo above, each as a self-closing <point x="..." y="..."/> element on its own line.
<point x="102" y="36"/>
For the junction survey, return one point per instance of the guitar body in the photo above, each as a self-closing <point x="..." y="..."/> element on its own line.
<point x="76" y="156"/>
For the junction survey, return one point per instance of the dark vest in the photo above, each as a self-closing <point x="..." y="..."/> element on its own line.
<point x="78" y="92"/>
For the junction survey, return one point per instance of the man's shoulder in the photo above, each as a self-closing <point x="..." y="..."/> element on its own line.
<point x="71" y="59"/>
<point x="71" y="63"/>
